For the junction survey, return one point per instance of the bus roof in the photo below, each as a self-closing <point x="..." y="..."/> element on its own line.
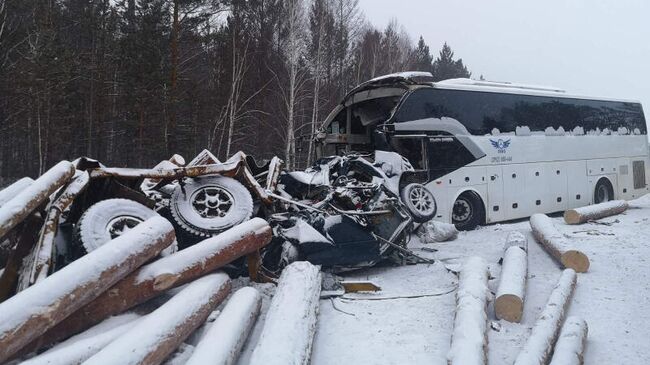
<point x="511" y="88"/>
<point x="416" y="79"/>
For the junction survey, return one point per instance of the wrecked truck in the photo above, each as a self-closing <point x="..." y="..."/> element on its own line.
<point x="342" y="213"/>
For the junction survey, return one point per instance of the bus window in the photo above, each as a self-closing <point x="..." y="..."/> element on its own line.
<point x="445" y="155"/>
<point x="480" y="112"/>
<point x="413" y="149"/>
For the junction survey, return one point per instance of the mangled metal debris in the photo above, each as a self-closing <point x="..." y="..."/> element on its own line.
<point x="343" y="213"/>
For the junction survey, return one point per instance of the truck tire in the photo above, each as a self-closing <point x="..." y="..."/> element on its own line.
<point x="419" y="201"/>
<point x="108" y="219"/>
<point x="208" y="205"/>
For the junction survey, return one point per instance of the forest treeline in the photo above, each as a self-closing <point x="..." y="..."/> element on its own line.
<point x="130" y="82"/>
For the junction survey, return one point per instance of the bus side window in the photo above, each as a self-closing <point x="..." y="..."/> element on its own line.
<point x="446" y="154"/>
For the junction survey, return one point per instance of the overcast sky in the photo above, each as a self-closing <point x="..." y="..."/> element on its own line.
<point x="587" y="47"/>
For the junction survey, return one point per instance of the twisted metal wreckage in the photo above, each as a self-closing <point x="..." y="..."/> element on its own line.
<point x="343" y="213"/>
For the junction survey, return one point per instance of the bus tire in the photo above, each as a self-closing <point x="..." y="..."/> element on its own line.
<point x="603" y="192"/>
<point x="468" y="211"/>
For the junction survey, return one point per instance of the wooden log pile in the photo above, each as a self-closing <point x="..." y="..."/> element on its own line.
<point x="110" y="280"/>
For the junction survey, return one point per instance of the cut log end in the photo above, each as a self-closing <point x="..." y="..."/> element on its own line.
<point x="576" y="260"/>
<point x="509" y="307"/>
<point x="165" y="281"/>
<point x="572" y="217"/>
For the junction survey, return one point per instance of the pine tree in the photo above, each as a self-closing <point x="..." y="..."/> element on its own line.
<point x="445" y="67"/>
<point x="422" y="58"/>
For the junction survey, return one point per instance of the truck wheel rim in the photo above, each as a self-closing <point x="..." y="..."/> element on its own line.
<point x="212" y="202"/>
<point x="121" y="224"/>
<point x="421" y="200"/>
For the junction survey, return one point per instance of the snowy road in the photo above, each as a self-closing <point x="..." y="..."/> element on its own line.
<point x="410" y="320"/>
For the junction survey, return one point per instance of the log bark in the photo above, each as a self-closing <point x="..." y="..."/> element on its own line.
<point x="24" y="203"/>
<point x="12" y="190"/>
<point x="537" y="349"/>
<point x="469" y="337"/>
<point x="40" y="259"/>
<point x="509" y="303"/>
<point x="159" y="333"/>
<point x="26" y="240"/>
<point x="594" y="212"/>
<point x="80" y="348"/>
<point x="557" y="245"/>
<point x="224" y="340"/>
<point x="154" y="279"/>
<point x="290" y="322"/>
<point x="31" y="312"/>
<point x="570" y="346"/>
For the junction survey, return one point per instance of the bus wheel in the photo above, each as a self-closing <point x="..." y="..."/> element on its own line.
<point x="603" y="192"/>
<point x="468" y="212"/>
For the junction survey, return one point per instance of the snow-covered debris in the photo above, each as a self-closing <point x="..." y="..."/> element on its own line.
<point x="181" y="267"/>
<point x="570" y="346"/>
<point x="21" y="205"/>
<point x="509" y="303"/>
<point x="594" y="212"/>
<point x="469" y="339"/>
<point x="225" y="338"/>
<point x="556" y="244"/>
<point x="12" y="190"/>
<point x="79" y="348"/>
<point x="290" y="322"/>
<point x="433" y="231"/>
<point x="539" y="346"/>
<point x="159" y="333"/>
<point x="31" y="312"/>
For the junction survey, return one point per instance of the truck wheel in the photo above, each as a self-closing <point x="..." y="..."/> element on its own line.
<point x="208" y="205"/>
<point x="468" y="212"/>
<point x="419" y="201"/>
<point x="109" y="219"/>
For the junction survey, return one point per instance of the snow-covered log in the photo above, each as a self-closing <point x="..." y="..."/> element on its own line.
<point x="594" y="212"/>
<point x="570" y="346"/>
<point x="38" y="265"/>
<point x="226" y="337"/>
<point x="20" y="206"/>
<point x="79" y="348"/>
<point x="12" y="190"/>
<point x="38" y="308"/>
<point x="537" y="349"/>
<point x="509" y="303"/>
<point x="469" y="337"/>
<point x="155" y="278"/>
<point x="159" y="333"/>
<point x="290" y="323"/>
<point x="516" y="238"/>
<point x="556" y="244"/>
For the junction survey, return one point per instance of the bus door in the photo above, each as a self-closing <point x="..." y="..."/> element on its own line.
<point x="447" y="153"/>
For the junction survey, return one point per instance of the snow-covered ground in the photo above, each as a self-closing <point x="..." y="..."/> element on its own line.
<point x="411" y="319"/>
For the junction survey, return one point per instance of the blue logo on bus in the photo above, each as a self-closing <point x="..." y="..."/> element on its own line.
<point x="500" y="144"/>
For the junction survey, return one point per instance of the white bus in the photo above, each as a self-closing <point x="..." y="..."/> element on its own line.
<point x="491" y="152"/>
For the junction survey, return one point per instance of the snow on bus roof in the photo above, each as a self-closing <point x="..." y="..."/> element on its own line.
<point x="512" y="88"/>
